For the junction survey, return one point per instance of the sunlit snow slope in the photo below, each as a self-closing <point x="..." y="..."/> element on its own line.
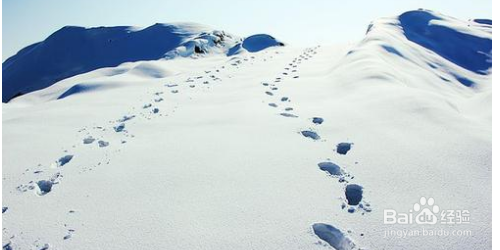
<point x="281" y="148"/>
<point x="74" y="50"/>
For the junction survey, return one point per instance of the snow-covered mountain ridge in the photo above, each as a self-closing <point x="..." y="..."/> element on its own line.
<point x="75" y="50"/>
<point x="256" y="146"/>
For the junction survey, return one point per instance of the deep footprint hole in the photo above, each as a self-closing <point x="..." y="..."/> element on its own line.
<point x="331" y="168"/>
<point x="343" y="147"/>
<point x="333" y="236"/>
<point x="44" y="187"/>
<point x="353" y="194"/>
<point x="310" y="134"/>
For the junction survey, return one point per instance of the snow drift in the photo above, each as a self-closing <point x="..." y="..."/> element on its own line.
<point x="286" y="148"/>
<point x="459" y="42"/>
<point x="255" y="43"/>
<point x="75" y="50"/>
<point x="432" y="45"/>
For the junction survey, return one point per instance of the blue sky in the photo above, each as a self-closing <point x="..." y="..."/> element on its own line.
<point x="301" y="23"/>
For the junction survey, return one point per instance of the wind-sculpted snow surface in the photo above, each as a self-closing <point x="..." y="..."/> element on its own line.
<point x="254" y="44"/>
<point x="259" y="42"/>
<point x="452" y="39"/>
<point x="282" y="148"/>
<point x="455" y="51"/>
<point x="75" y="50"/>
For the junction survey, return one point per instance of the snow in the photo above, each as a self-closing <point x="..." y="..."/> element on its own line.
<point x="255" y="43"/>
<point x="75" y="50"/>
<point x="259" y="42"/>
<point x="332" y="168"/>
<point x="446" y="36"/>
<point x="333" y="236"/>
<point x="310" y="134"/>
<point x="214" y="165"/>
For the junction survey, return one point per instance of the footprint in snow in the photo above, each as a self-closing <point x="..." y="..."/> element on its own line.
<point x="273" y="105"/>
<point x="44" y="187"/>
<point x="354" y="197"/>
<point x="288" y="115"/>
<point x="44" y="247"/>
<point x="102" y="143"/>
<point x="126" y="118"/>
<point x="343" y="147"/>
<point x="310" y="134"/>
<point x="69" y="235"/>
<point x="269" y="93"/>
<point x="331" y="168"/>
<point x="156" y="110"/>
<point x="333" y="236"/>
<point x="64" y="160"/>
<point x="317" y="120"/>
<point x="88" y="140"/>
<point x="119" y="128"/>
<point x="353" y="194"/>
<point x="284" y="99"/>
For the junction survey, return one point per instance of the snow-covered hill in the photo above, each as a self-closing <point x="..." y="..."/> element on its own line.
<point x="255" y="147"/>
<point x="75" y="50"/>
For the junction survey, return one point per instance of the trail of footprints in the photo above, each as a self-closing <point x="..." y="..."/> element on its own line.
<point x="353" y="193"/>
<point x="97" y="135"/>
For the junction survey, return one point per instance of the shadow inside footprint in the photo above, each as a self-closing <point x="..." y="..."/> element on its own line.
<point x="317" y="120"/>
<point x="343" y="147"/>
<point x="126" y="118"/>
<point x="310" y="134"/>
<point x="288" y="115"/>
<point x="64" y="160"/>
<point x="119" y="128"/>
<point x="88" y="140"/>
<point x="353" y="194"/>
<point x="102" y="143"/>
<point x="333" y="236"/>
<point x="44" y="187"/>
<point x="331" y="168"/>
